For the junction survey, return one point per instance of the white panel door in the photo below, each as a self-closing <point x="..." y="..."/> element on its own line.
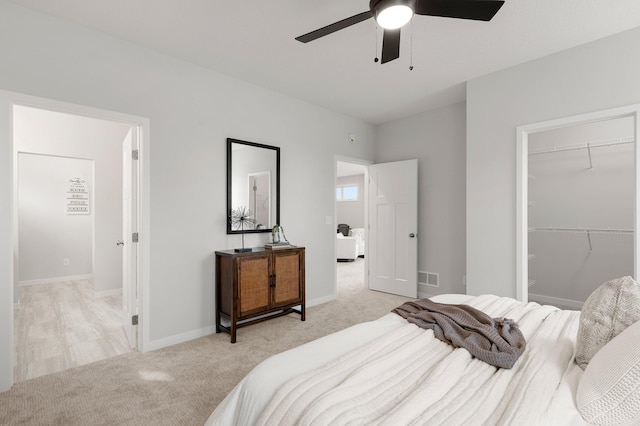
<point x="129" y="226"/>
<point x="393" y="228"/>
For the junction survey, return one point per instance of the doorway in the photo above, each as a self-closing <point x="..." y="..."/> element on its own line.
<point x="69" y="199"/>
<point x="351" y="217"/>
<point x="577" y="205"/>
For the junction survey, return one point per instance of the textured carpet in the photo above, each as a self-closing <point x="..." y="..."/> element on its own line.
<point x="182" y="384"/>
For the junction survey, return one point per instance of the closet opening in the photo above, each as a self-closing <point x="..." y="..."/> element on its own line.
<point x="577" y="205"/>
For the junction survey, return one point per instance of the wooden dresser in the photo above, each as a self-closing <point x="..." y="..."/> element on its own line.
<point x="255" y="286"/>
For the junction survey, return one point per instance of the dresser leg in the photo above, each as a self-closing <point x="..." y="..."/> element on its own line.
<point x="233" y="332"/>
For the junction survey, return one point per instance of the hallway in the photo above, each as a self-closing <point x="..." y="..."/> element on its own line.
<point x="61" y="325"/>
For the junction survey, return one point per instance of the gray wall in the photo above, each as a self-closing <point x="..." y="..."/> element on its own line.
<point x="584" y="79"/>
<point x="47" y="233"/>
<point x="192" y="112"/>
<point x="351" y="212"/>
<point x="437" y="139"/>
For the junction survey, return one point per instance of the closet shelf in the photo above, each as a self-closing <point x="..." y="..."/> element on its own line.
<point x="589" y="145"/>
<point x="587" y="231"/>
<point x="584" y="230"/>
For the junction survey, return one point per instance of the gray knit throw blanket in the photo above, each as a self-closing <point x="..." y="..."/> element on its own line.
<point x="497" y="341"/>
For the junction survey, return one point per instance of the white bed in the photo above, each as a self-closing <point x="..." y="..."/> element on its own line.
<point x="361" y="376"/>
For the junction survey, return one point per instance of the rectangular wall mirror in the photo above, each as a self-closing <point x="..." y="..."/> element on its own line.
<point x="253" y="184"/>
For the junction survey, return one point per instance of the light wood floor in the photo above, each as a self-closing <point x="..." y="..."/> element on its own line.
<point x="61" y="325"/>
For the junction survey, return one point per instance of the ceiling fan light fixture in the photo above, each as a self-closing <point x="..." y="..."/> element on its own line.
<point x="394" y="17"/>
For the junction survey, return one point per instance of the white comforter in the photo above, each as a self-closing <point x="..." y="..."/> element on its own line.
<point x="405" y="376"/>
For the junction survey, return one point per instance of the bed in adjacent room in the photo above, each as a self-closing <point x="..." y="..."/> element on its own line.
<point x="390" y="371"/>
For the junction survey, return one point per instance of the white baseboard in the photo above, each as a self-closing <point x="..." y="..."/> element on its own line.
<point x="107" y="293"/>
<point x="179" y="338"/>
<point x="425" y="291"/>
<point x="206" y="331"/>
<point x="55" y="280"/>
<point x="319" y="301"/>
<point x="556" y="301"/>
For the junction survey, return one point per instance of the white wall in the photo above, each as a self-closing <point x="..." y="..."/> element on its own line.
<point x="437" y="139"/>
<point x="53" y="133"/>
<point x="596" y="76"/>
<point x="47" y="233"/>
<point x="351" y="212"/>
<point x="192" y="112"/>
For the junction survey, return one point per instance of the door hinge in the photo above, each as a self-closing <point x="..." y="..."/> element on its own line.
<point x="134" y="320"/>
<point x="134" y="154"/>
<point x="134" y="237"/>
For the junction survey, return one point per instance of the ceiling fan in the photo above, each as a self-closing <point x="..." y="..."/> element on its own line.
<point x="391" y="15"/>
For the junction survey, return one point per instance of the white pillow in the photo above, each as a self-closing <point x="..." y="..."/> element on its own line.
<point x="610" y="309"/>
<point x="609" y="390"/>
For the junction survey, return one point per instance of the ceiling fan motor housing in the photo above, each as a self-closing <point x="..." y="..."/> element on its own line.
<point x="377" y="6"/>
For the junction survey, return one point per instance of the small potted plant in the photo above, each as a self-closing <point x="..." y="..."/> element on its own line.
<point x="277" y="235"/>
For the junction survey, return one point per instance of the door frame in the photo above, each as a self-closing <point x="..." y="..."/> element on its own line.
<point x="130" y="225"/>
<point x="366" y="164"/>
<point x="522" y="191"/>
<point x="10" y="99"/>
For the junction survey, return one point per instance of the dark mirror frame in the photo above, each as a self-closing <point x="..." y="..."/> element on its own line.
<point x="231" y="141"/>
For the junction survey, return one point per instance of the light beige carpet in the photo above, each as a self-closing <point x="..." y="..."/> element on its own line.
<point x="182" y="384"/>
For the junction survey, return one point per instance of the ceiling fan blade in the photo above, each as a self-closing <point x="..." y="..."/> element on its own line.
<point x="390" y="45"/>
<point x="306" y="38"/>
<point x="479" y="10"/>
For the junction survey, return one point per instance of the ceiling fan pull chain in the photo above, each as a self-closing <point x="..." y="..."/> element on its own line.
<point x="376" y="59"/>
<point x="411" y="45"/>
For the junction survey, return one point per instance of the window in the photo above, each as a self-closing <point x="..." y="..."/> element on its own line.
<point x="347" y="193"/>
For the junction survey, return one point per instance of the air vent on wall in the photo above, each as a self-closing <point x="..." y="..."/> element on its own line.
<point x="429" y="278"/>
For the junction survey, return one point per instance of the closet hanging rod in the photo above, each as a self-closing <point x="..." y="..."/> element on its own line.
<point x="584" y="230"/>
<point x="598" y="144"/>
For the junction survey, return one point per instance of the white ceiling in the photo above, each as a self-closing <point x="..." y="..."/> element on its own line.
<point x="253" y="40"/>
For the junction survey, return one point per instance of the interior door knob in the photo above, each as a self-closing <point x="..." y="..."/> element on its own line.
<point x="412" y="235"/>
<point x="120" y="243"/>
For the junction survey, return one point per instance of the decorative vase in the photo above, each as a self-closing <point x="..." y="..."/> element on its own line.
<point x="277" y="234"/>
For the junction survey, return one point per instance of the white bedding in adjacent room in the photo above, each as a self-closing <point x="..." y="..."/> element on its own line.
<point x="345" y="376"/>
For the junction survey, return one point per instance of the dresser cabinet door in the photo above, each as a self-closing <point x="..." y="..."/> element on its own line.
<point x="253" y="284"/>
<point x="286" y="268"/>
